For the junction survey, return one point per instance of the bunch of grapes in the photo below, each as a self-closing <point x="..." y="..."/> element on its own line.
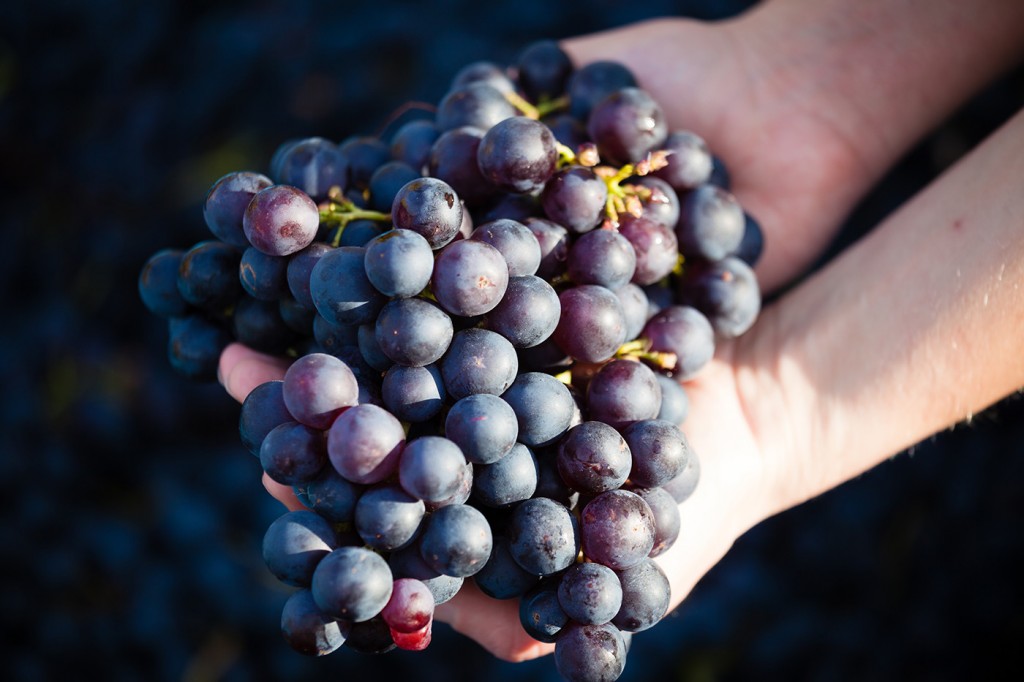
<point x="490" y="318"/>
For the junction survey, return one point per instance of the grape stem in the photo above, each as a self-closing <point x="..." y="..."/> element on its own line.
<point x="539" y="110"/>
<point x="640" y="349"/>
<point x="337" y="212"/>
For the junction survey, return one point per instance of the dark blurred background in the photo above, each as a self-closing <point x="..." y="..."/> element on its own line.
<point x="130" y="542"/>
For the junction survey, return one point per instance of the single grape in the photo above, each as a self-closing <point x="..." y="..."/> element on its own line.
<point x="685" y="332"/>
<point x="543" y="70"/>
<point x="412" y="142"/>
<point x="752" y="244"/>
<point x="293" y="453"/>
<point x="726" y="292"/>
<point x="683" y="485"/>
<point x="645" y="596"/>
<point x="501" y="577"/>
<point x="365" y="154"/>
<point x="158" y="284"/>
<point x="330" y="495"/>
<point x="262" y="410"/>
<point x="430" y="207"/>
<point x="592" y="326"/>
<point x="540" y="613"/>
<point x="453" y="160"/>
<point x="479" y="361"/>
<point x="307" y="629"/>
<point x="590" y="593"/>
<point x="483" y="426"/>
<point x="666" y="517"/>
<point x="511" y="479"/>
<point x="634" y="308"/>
<point x="514" y="241"/>
<point x="317" y="387"/>
<point x="617" y="529"/>
<point x="281" y="220"/>
<point x="385" y="183"/>
<point x="711" y="223"/>
<point x="194" y="345"/>
<point x="675" y="404"/>
<point x="313" y="165"/>
<point x="658" y="201"/>
<point x="413" y="331"/>
<point x="399" y="263"/>
<point x="518" y="155"/>
<point x="410" y="608"/>
<point x="432" y="468"/>
<point x="554" y="246"/>
<point x="626" y="125"/>
<point x="388" y="518"/>
<point x="353" y="583"/>
<point x="543" y="406"/>
<point x="340" y="289"/>
<point x="593" y="458"/>
<point x="543" y="536"/>
<point x="483" y="72"/>
<point x="655" y="248"/>
<point x="208" y="275"/>
<point x="689" y="163"/>
<point x="575" y="198"/>
<point x="593" y="82"/>
<point x="457" y="540"/>
<point x="294" y="545"/>
<point x="590" y="653"/>
<point x="478" y="104"/>
<point x="603" y="257"/>
<point x="413" y="394"/>
<point x="528" y="313"/>
<point x="660" y="452"/>
<point x="262" y="276"/>
<point x="364" y="444"/>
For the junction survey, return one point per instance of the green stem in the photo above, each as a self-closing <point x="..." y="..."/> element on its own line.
<point x="524" y="107"/>
<point x="548" y="106"/>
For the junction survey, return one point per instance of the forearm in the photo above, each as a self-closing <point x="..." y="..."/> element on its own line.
<point x="918" y="326"/>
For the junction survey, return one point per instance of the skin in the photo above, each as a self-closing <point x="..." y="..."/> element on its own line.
<point x="809" y="103"/>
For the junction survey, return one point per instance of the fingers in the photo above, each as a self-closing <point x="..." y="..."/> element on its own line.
<point x="493" y="623"/>
<point x="282" y="493"/>
<point x="243" y="369"/>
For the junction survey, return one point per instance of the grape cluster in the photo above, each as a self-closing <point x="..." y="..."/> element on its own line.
<point x="489" y="318"/>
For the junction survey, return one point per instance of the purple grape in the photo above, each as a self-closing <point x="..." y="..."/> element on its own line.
<point x="540" y="613"/>
<point x="208" y="275"/>
<point x="654" y="246"/>
<point x="593" y="458"/>
<point x="483" y="426"/>
<point x="567" y="129"/>
<point x="590" y="593"/>
<point x="711" y="223"/>
<point x="685" y="332"/>
<point x="683" y="485"/>
<point x="194" y="345"/>
<point x="666" y="517"/>
<point x="661" y="203"/>
<point x="431" y="468"/>
<point x="388" y="518"/>
<point x="340" y="289"/>
<point x="752" y="244"/>
<point x="575" y="198"/>
<point x="413" y="394"/>
<point x="330" y="495"/>
<point x="543" y="70"/>
<point x="307" y="629"/>
<point x="365" y="443"/>
<point x="226" y="203"/>
<point x="262" y="410"/>
<point x="258" y="325"/>
<point x="554" y="246"/>
<point x="317" y="387"/>
<point x="334" y="337"/>
<point x="158" y="284"/>
<point x="689" y="163"/>
<point x="399" y="263"/>
<point x="478" y="104"/>
<point x="602" y="257"/>
<point x="501" y="577"/>
<point x="528" y="313"/>
<point x="511" y="479"/>
<point x="593" y="82"/>
<point x="543" y="406"/>
<point x="617" y="529"/>
<point x="645" y="596"/>
<point x="292" y="453"/>
<point x="313" y="165"/>
<point x="294" y="545"/>
<point x="592" y="326"/>
<point x="411" y="607"/>
<point x="626" y="125"/>
<point x="361" y="232"/>
<point x="590" y="653"/>
<point x="518" y="155"/>
<point x="483" y="72"/>
<point x="675" y="405"/>
<point x="412" y="143"/>
<point x="514" y="241"/>
<point x="470" y="278"/>
<point x="456" y="541"/>
<point x="623" y="392"/>
<point x="509" y="205"/>
<point x="726" y="292"/>
<point x="353" y="583"/>
<point x="413" y="331"/>
<point x="365" y="155"/>
<point x="385" y="183"/>
<point x="262" y="276"/>
<point x="453" y="159"/>
<point x="479" y="361"/>
<point x="281" y="220"/>
<point x="543" y="536"/>
<point x="634" y="308"/>
<point x="370" y="350"/>
<point x="300" y="267"/>
<point x="430" y="207"/>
